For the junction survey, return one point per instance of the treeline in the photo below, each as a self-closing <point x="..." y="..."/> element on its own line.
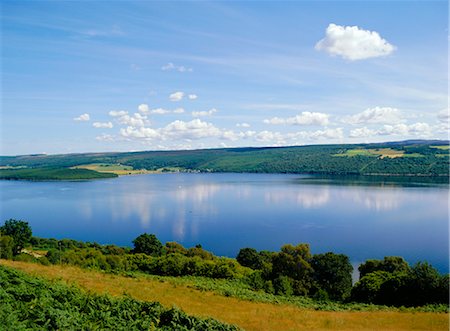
<point x="391" y="281"/>
<point x="293" y="271"/>
<point x="52" y="173"/>
<point x="420" y="158"/>
<point x="29" y="303"/>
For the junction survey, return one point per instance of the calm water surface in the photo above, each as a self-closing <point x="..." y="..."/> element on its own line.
<point x="225" y="212"/>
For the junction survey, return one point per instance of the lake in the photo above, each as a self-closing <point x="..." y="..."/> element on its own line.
<point x="226" y="212"/>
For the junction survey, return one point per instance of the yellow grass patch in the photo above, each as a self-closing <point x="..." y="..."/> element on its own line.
<point x="246" y="314"/>
<point x="387" y="152"/>
<point x="117" y="169"/>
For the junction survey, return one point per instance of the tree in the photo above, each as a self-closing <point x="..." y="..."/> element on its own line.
<point x="6" y="247"/>
<point x="148" y="244"/>
<point x="249" y="257"/>
<point x="20" y="231"/>
<point x="293" y="262"/>
<point x="333" y="273"/>
<point x="389" y="264"/>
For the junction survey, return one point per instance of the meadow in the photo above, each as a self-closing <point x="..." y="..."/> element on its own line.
<point x="249" y="315"/>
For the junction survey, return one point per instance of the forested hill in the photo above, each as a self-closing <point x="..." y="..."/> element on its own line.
<point x="418" y="157"/>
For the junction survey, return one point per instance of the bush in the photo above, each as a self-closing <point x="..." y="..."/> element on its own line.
<point x="148" y="244"/>
<point x="6" y="247"/>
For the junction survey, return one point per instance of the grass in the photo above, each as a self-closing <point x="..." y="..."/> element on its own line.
<point x="121" y="170"/>
<point x="377" y="152"/>
<point x="117" y="169"/>
<point x="442" y="147"/>
<point x="250" y="315"/>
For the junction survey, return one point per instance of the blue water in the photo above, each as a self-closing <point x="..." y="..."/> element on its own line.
<point x="226" y="212"/>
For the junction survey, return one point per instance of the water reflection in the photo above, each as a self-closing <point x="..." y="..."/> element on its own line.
<point x="307" y="197"/>
<point x="225" y="212"/>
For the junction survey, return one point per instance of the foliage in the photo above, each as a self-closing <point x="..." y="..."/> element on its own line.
<point x="403" y="286"/>
<point x="415" y="158"/>
<point x="52" y="173"/>
<point x="332" y="274"/>
<point x="291" y="271"/>
<point x="6" y="247"/>
<point x="249" y="257"/>
<point x="389" y="263"/>
<point x="148" y="244"/>
<point x="31" y="303"/>
<point x="19" y="231"/>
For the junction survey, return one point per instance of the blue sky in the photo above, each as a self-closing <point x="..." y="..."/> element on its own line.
<point x="85" y="76"/>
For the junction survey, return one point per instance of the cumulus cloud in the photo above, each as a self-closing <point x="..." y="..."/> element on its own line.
<point x="117" y="113"/>
<point x="192" y="96"/>
<point x="243" y="125"/>
<point x="419" y="129"/>
<point x="353" y="43"/>
<point x="377" y="115"/>
<point x="195" y="129"/>
<point x="103" y="125"/>
<point x="363" y="132"/>
<point x="82" y="118"/>
<point x="136" y="120"/>
<point x="337" y="133"/>
<point x="204" y="113"/>
<point x="163" y="111"/>
<point x="305" y="118"/>
<point x="143" y="108"/>
<point x="176" y="96"/>
<point x="170" y="66"/>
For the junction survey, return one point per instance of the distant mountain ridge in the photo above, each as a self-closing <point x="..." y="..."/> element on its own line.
<point x="410" y="157"/>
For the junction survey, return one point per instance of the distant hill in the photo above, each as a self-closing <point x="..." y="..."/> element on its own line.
<point x="411" y="157"/>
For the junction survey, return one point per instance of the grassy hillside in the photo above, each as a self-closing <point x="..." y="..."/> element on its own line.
<point x="424" y="158"/>
<point x="31" y="303"/>
<point x="250" y="315"/>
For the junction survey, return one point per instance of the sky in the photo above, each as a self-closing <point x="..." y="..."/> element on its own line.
<point x="98" y="76"/>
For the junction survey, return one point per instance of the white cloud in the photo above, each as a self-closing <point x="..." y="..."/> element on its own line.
<point x="117" y="113"/>
<point x="337" y="133"/>
<point x="305" y="118"/>
<point x="176" y="96"/>
<point x="143" y="108"/>
<point x="243" y="125"/>
<point x="419" y="129"/>
<point x="353" y="43"/>
<point x="104" y="125"/>
<point x="178" y="111"/>
<point x="82" y="118"/>
<point x="362" y="133"/>
<point x="170" y="66"/>
<point x="377" y="115"/>
<point x="162" y="111"/>
<point x="136" y="120"/>
<point x="105" y="137"/>
<point x="192" y="96"/>
<point x="204" y="113"/>
<point x="194" y="129"/>
<point x="141" y="132"/>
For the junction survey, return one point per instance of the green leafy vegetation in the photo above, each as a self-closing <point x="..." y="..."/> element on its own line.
<point x="52" y="173"/>
<point x="292" y="275"/>
<point x="419" y="158"/>
<point x="32" y="303"/>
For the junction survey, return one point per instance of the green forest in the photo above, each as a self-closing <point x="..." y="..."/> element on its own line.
<point x="293" y="272"/>
<point x="418" y="158"/>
